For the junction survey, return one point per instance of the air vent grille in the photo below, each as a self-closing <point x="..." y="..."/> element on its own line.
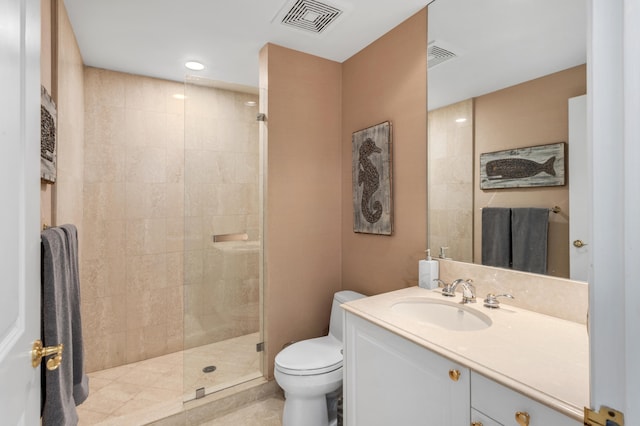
<point x="311" y="15"/>
<point x="437" y="54"/>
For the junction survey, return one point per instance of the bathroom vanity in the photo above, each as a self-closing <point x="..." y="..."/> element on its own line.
<point x="415" y="357"/>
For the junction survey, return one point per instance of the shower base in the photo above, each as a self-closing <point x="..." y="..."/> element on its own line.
<point x="157" y="388"/>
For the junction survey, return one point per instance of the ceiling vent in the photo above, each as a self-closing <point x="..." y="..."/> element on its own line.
<point x="310" y="15"/>
<point x="438" y="52"/>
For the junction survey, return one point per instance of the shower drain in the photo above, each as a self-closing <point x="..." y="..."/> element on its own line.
<point x="209" y="369"/>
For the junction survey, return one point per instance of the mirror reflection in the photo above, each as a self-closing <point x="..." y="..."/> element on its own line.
<point x="500" y="76"/>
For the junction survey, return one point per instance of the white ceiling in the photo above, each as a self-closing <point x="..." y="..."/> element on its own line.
<point x="502" y="43"/>
<point x="499" y="42"/>
<point x="156" y="37"/>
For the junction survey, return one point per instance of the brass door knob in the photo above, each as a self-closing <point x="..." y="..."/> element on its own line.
<point x="454" y="375"/>
<point x="38" y="351"/>
<point x="579" y="243"/>
<point x="522" y="417"/>
<point x="476" y="424"/>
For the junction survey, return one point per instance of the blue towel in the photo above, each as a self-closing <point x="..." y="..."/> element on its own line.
<point x="67" y="386"/>
<point x="529" y="229"/>
<point x="496" y="237"/>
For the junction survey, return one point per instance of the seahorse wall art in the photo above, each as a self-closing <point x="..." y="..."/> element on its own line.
<point x="372" y="180"/>
<point x="369" y="179"/>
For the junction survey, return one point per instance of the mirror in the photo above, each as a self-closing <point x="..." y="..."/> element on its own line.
<point x="500" y="74"/>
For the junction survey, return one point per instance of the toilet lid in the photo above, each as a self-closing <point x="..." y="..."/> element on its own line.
<point x="309" y="357"/>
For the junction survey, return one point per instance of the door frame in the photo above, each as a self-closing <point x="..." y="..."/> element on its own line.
<point x="613" y="109"/>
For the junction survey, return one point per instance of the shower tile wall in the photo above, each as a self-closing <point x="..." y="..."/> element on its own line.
<point x="132" y="264"/>
<point x="222" y="197"/>
<point x="135" y="173"/>
<point x="451" y="180"/>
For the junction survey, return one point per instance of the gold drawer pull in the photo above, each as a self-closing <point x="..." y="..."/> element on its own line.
<point x="523" y="418"/>
<point x="454" y="375"/>
<point x="476" y="424"/>
<point x="39" y="351"/>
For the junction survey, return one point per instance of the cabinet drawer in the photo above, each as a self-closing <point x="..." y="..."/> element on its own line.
<point x="501" y="403"/>
<point x="480" y="419"/>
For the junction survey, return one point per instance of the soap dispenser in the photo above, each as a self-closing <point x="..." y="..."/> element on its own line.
<point x="428" y="272"/>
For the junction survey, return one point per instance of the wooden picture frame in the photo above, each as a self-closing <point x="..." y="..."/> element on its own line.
<point x="48" y="137"/>
<point x="372" y="180"/>
<point x="534" y="166"/>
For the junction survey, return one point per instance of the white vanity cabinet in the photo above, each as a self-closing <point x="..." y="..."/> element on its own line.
<point x="389" y="380"/>
<point x="494" y="405"/>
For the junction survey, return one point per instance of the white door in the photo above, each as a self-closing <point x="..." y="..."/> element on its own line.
<point x="20" y="210"/>
<point x="578" y="190"/>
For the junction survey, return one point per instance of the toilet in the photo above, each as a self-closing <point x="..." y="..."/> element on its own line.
<point x="310" y="372"/>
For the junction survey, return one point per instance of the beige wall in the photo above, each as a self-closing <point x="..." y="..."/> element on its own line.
<point x="531" y="113"/>
<point x="313" y="106"/>
<point x="388" y="81"/>
<point x="68" y="188"/>
<point x="302" y="100"/>
<point x="61" y="73"/>
<point x="132" y="263"/>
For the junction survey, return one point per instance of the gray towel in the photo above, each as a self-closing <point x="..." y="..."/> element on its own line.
<point x="496" y="237"/>
<point x="61" y="324"/>
<point x="80" y="379"/>
<point x="529" y="227"/>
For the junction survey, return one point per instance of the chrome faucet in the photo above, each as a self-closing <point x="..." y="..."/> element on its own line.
<point x="468" y="290"/>
<point x="492" y="300"/>
<point x="446" y="288"/>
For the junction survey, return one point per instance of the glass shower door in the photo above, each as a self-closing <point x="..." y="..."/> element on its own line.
<point x="223" y="238"/>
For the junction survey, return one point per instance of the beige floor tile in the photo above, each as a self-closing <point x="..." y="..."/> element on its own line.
<point x="90" y="418"/>
<point x="126" y="395"/>
<point x="262" y="413"/>
<point x="99" y="404"/>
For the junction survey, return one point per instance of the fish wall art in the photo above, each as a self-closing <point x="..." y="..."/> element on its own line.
<point x="534" y="166"/>
<point x="371" y="174"/>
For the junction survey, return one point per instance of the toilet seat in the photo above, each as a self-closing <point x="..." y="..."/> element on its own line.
<point x="310" y="357"/>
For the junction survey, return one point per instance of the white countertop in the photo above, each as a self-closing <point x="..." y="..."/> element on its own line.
<point x="542" y="357"/>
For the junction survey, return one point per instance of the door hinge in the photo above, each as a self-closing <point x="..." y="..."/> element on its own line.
<point x="605" y="417"/>
<point x="260" y="347"/>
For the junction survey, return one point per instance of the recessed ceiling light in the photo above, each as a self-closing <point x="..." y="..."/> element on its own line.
<point x="193" y="65"/>
<point x="460" y="120"/>
<point x="179" y="96"/>
<point x="250" y="103"/>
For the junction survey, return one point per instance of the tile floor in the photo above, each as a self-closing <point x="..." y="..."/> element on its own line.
<point x="148" y="390"/>
<point x="267" y="412"/>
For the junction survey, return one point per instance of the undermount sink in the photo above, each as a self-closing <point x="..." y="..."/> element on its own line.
<point x="442" y="313"/>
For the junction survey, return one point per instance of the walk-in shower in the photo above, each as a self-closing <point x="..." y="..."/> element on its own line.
<point x="172" y="249"/>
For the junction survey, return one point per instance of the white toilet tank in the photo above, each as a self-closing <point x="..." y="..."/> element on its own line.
<point x="335" y="323"/>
